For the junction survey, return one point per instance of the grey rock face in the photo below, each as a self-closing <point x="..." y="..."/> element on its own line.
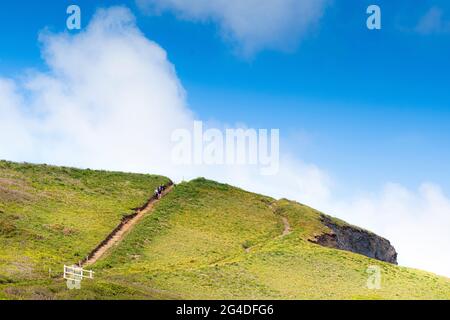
<point x="356" y="240"/>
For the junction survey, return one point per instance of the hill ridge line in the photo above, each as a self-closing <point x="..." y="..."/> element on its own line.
<point x="127" y="223"/>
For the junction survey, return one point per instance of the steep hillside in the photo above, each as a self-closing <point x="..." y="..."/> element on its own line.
<point x="52" y="216"/>
<point x="204" y="240"/>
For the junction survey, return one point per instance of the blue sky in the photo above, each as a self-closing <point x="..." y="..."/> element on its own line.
<point x="364" y="114"/>
<point x="369" y="106"/>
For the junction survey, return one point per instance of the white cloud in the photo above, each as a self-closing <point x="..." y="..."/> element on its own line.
<point x="111" y="100"/>
<point x="416" y="222"/>
<point x="252" y="25"/>
<point x="433" y="22"/>
<point x="12" y="124"/>
<point x="109" y="93"/>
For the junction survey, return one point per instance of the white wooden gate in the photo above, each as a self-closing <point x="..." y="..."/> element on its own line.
<point x="75" y="274"/>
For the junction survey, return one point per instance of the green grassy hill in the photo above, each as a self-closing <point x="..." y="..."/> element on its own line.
<point x="202" y="241"/>
<point x="52" y="216"/>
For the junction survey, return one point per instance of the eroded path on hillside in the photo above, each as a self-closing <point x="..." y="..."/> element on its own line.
<point x="120" y="232"/>
<point x="286" y="230"/>
<point x="287" y="227"/>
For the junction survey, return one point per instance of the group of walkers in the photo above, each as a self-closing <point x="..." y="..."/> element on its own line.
<point x="159" y="191"/>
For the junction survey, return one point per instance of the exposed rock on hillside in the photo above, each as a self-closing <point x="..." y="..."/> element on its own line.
<point x="349" y="238"/>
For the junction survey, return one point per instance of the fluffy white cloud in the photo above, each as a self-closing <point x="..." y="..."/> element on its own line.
<point x="416" y="222"/>
<point x="251" y="24"/>
<point x="110" y="99"/>
<point x="14" y="138"/>
<point x="109" y="93"/>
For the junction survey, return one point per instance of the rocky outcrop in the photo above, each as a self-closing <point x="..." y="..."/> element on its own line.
<point x="349" y="238"/>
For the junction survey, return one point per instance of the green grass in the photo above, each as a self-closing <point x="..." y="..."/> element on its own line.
<point x="204" y="240"/>
<point x="52" y="216"/>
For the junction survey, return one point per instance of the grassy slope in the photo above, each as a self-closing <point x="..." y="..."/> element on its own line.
<point x="194" y="246"/>
<point x="52" y="216"/>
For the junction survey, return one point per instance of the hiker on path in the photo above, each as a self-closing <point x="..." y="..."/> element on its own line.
<point x="160" y="191"/>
